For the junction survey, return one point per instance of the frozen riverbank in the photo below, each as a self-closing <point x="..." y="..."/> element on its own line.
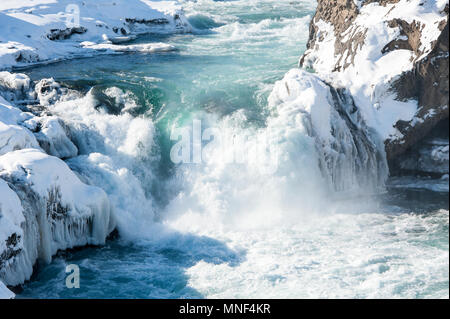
<point x="45" y="31"/>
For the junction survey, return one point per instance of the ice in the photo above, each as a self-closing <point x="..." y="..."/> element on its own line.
<point x="53" y="136"/>
<point x="350" y="155"/>
<point x="316" y="147"/>
<point x="14" y="137"/>
<point x="144" y="48"/>
<point x="11" y="220"/>
<point x="60" y="211"/>
<point x="5" y="293"/>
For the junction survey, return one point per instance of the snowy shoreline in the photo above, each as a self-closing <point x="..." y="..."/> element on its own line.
<point x="36" y="32"/>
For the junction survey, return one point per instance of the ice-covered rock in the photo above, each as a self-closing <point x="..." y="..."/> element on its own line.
<point x="14" y="86"/>
<point x="12" y="135"/>
<point x="430" y="157"/>
<point x="349" y="153"/>
<point x="19" y="130"/>
<point x="53" y="136"/>
<point x="11" y="232"/>
<point x="60" y="211"/>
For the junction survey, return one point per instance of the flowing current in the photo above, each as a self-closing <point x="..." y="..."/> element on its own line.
<point x="230" y="229"/>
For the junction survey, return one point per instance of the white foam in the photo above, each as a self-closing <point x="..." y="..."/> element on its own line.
<point x="338" y="256"/>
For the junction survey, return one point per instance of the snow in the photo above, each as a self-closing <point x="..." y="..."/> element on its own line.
<point x="11" y="222"/>
<point x="143" y="48"/>
<point x="53" y="136"/>
<point x="12" y="135"/>
<point x="368" y="78"/>
<point x="44" y="173"/>
<point x="5" y="293"/>
<point x="26" y="24"/>
<point x="303" y="100"/>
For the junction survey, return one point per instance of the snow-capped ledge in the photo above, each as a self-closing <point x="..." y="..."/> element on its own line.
<point x="43" y="31"/>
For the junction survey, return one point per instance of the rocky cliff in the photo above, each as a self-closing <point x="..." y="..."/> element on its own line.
<point x="392" y="56"/>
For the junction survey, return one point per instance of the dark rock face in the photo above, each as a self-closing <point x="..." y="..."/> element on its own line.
<point x="411" y="31"/>
<point x="429" y="156"/>
<point x="428" y="84"/>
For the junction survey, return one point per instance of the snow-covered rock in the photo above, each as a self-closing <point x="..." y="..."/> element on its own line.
<point x="53" y="136"/>
<point x="19" y="130"/>
<point x="42" y="31"/>
<point x="349" y="153"/>
<point x="60" y="211"/>
<point x="392" y="57"/>
<point x="11" y="232"/>
<point x="14" y="86"/>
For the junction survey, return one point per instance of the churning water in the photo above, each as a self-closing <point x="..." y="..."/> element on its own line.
<point x="227" y="229"/>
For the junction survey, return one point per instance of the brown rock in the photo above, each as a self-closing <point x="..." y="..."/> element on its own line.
<point x="428" y="84"/>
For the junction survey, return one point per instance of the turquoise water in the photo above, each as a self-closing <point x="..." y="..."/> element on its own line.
<point x="189" y="232"/>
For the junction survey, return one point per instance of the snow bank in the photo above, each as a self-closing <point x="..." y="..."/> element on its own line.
<point x="43" y="31"/>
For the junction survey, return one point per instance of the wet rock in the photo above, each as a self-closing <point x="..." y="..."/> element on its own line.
<point x="62" y="34"/>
